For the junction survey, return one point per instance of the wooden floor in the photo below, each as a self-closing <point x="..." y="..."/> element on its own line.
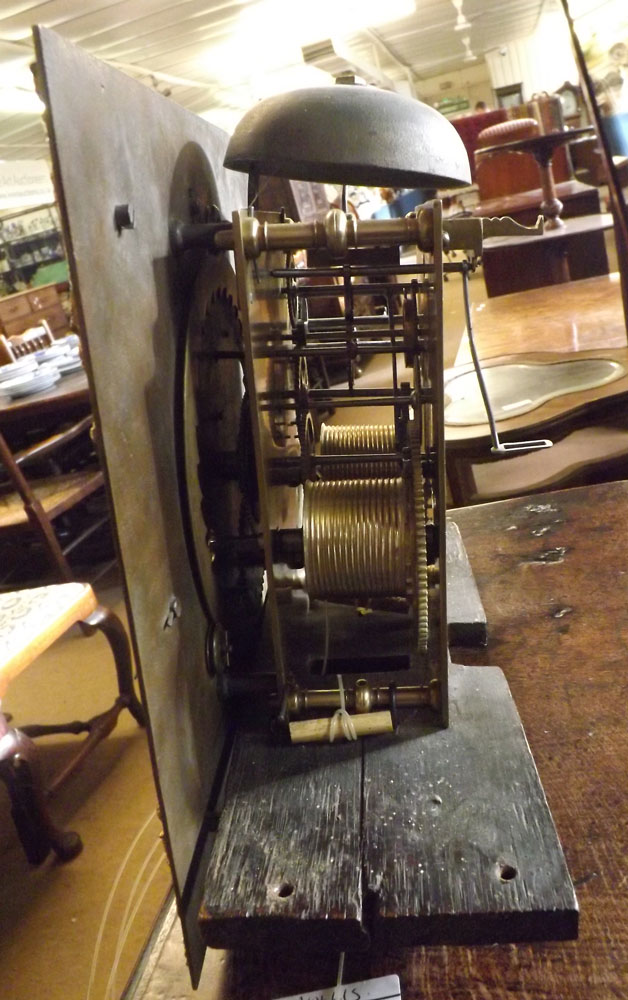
<point x="53" y="924"/>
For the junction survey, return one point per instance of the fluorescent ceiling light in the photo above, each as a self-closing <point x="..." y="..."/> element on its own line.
<point x="288" y="78"/>
<point x="224" y="118"/>
<point x="247" y="52"/>
<point x="20" y="102"/>
<point x="17" y="90"/>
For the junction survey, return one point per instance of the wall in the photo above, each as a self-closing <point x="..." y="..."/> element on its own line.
<point x="541" y="61"/>
<point x="472" y="82"/>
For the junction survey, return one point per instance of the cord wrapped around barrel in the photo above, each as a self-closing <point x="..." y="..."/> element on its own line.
<point x="356" y="538"/>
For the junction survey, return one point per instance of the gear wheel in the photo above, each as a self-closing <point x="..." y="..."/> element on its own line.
<point x="419" y="573"/>
<point x="219" y="489"/>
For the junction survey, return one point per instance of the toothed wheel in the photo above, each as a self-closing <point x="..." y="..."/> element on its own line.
<point x="421" y="593"/>
<point x="219" y="492"/>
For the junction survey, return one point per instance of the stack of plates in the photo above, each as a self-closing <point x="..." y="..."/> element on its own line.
<point x="64" y="355"/>
<point x="68" y="363"/>
<point x="27" y="380"/>
<point x="56" y="350"/>
<point x="17" y="368"/>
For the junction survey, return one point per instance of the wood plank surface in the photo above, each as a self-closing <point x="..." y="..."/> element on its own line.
<point x="466" y="617"/>
<point x="561" y="412"/>
<point x="286" y="862"/>
<point x="553" y="575"/>
<point x="580" y="316"/>
<point x="459" y="846"/>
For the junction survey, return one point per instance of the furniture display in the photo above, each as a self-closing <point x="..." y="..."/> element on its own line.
<point x="602" y="71"/>
<point x="68" y="398"/>
<point x="38" y="501"/>
<point x="30" y="621"/>
<point x="587" y="322"/>
<point x="28" y="240"/>
<point x="38" y="485"/>
<point x="29" y="308"/>
<point x="34" y="339"/>
<point x="525" y="207"/>
<point x="586" y="316"/>
<point x="542" y="148"/>
<point x="499" y="173"/>
<point x="469" y="127"/>
<point x="599" y="460"/>
<point x="509" y="265"/>
<point x="575" y="250"/>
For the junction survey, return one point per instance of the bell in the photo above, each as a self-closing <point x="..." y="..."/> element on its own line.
<point x="347" y="134"/>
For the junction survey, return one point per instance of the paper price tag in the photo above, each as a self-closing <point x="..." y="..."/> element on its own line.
<point x="384" y="988"/>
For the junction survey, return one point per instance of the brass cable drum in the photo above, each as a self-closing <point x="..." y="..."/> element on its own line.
<point x="357" y="538"/>
<point x="353" y="439"/>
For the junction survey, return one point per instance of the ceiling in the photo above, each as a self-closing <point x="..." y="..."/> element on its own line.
<point x="217" y="57"/>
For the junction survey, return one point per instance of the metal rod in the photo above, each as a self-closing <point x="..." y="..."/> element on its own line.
<point x="333" y="322"/>
<point x="337" y="291"/>
<point x="324" y="404"/>
<point x="362" y="697"/>
<point x="361" y="270"/>
<point x="329" y="394"/>
<point x="498" y="447"/>
<point x="314" y="350"/>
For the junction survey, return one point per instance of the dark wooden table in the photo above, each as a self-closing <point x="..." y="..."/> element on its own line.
<point x="69" y="398"/>
<point x="576" y="250"/>
<point x="525" y="206"/>
<point x="553" y="575"/>
<point x="585" y="320"/>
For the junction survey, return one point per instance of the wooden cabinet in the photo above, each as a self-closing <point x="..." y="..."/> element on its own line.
<point x="28" y="308"/>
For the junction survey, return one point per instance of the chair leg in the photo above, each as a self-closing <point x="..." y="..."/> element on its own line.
<point x="109" y="624"/>
<point x="19" y="769"/>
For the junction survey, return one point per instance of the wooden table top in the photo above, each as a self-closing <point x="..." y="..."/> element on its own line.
<point x="553" y="575"/>
<point x="71" y="392"/>
<point x="579" y="316"/>
<point x="584" y="318"/>
<point x="558" y="413"/>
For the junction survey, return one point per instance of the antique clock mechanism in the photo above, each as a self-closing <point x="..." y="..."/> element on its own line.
<point x="283" y="538"/>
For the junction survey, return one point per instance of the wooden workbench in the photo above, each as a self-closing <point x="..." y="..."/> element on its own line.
<point x="553" y="575"/>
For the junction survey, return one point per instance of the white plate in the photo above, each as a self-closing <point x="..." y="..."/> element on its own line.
<point x="18" y="380"/>
<point x="16" y="368"/>
<point x="68" y="369"/>
<point x="30" y="388"/>
<point x="52" y="352"/>
<point x="48" y="368"/>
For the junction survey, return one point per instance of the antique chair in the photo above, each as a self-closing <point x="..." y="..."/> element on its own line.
<point x="33" y="339"/>
<point x="30" y="621"/>
<point x="37" y="502"/>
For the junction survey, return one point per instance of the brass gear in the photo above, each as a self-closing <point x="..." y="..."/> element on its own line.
<point x="420" y="597"/>
<point x="217" y="503"/>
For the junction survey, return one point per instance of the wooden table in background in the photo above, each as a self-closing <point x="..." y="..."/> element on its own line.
<point x="580" y="316"/>
<point x="584" y="319"/>
<point x="525" y="206"/>
<point x="553" y="575"/>
<point x="69" y="398"/>
<point x="575" y="251"/>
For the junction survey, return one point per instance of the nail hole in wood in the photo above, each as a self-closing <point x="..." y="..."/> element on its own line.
<point x="284" y="890"/>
